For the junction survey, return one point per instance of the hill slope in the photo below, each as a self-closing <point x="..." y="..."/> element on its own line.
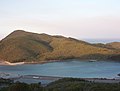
<point x="115" y="45"/>
<point x="25" y="46"/>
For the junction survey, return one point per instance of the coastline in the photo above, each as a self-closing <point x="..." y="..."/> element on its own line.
<point x="37" y="78"/>
<point x="11" y="64"/>
<point x="21" y="63"/>
<point x="55" y="78"/>
<point x="41" y="62"/>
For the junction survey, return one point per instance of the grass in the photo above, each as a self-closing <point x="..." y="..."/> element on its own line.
<point x="25" y="46"/>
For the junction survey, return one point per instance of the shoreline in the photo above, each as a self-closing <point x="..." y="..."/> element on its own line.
<point x="21" y="63"/>
<point x="2" y="63"/>
<point x="38" y="78"/>
<point x="55" y="78"/>
<point x="11" y="64"/>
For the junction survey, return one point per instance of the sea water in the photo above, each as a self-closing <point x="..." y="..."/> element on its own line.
<point x="68" y="68"/>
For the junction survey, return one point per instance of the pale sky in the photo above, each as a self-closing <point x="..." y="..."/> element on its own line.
<point x="83" y="19"/>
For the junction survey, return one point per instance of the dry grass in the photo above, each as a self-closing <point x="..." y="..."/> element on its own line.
<point x="25" y="46"/>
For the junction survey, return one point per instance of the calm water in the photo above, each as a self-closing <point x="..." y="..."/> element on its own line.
<point x="70" y="68"/>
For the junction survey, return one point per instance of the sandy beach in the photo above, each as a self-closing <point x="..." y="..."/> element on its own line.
<point x="8" y="63"/>
<point x="21" y="63"/>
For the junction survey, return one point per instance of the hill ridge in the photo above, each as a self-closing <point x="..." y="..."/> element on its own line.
<point x="32" y="47"/>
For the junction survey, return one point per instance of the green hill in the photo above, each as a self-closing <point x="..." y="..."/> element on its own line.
<point x="25" y="46"/>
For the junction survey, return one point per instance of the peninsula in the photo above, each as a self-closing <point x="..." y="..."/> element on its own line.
<point x="22" y="46"/>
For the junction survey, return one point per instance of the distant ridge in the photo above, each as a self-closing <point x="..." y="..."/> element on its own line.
<point x="25" y="46"/>
<point x="115" y="45"/>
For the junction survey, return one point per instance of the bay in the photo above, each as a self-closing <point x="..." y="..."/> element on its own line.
<point x="69" y="68"/>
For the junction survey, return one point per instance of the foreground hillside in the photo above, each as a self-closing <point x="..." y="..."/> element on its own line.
<point x="31" y="47"/>
<point x="65" y="84"/>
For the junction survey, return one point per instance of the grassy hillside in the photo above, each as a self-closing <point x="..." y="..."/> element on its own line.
<point x="25" y="46"/>
<point x="20" y="46"/>
<point x="115" y="45"/>
<point x="76" y="84"/>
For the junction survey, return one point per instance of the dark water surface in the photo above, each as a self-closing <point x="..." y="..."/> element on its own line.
<point x="69" y="68"/>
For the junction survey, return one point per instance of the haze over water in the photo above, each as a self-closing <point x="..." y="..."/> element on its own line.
<point x="101" y="40"/>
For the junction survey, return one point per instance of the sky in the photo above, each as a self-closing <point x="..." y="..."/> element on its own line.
<point x="83" y="19"/>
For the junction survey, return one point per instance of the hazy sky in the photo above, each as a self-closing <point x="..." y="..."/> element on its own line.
<point x="75" y="18"/>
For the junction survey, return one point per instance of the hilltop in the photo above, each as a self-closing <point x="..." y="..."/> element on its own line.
<point x="32" y="47"/>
